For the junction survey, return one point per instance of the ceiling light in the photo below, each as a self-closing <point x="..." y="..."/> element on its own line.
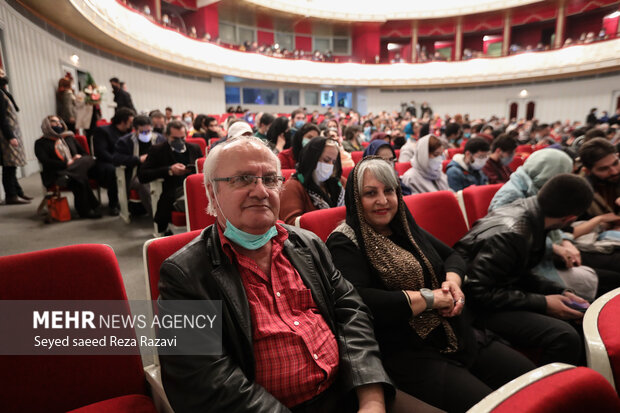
<point x="75" y="59"/>
<point x="393" y="46"/>
<point x="523" y="93"/>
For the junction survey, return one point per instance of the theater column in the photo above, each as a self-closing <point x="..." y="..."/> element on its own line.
<point x="458" y="39"/>
<point x="414" y="41"/>
<point x="507" y="29"/>
<point x="560" y="25"/>
<point x="157" y="9"/>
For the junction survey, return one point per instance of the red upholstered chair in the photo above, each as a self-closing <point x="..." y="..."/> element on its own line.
<point x="397" y="152"/>
<point x="346" y="171"/>
<point x="287" y="173"/>
<point x="438" y="213"/>
<point x="196" y="203"/>
<point x="402" y="167"/>
<point x="212" y="141"/>
<point x="61" y="383"/>
<point x="200" y="164"/>
<point x="453" y="151"/>
<point x="365" y="144"/>
<point x="602" y="334"/>
<point x="444" y="165"/>
<point x="200" y="142"/>
<point x="554" y="388"/>
<point x="525" y="149"/>
<point x="323" y="221"/>
<point x="81" y="139"/>
<point x="476" y="200"/>
<point x="103" y="122"/>
<point x="156" y="251"/>
<point x="357" y="156"/>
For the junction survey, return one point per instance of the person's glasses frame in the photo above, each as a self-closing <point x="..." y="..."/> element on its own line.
<point x="242" y="181"/>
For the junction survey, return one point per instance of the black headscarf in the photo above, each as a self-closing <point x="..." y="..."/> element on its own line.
<point x="298" y="138"/>
<point x="309" y="158"/>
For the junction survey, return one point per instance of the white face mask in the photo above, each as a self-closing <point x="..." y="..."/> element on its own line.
<point x="435" y="163"/>
<point x="323" y="171"/>
<point x="479" y="163"/>
<point x="144" y="137"/>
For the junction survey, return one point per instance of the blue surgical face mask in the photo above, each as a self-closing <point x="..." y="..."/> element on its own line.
<point x="245" y="239"/>
<point x="367" y="130"/>
<point x="507" y="161"/>
<point x="299" y="124"/>
<point x="467" y="135"/>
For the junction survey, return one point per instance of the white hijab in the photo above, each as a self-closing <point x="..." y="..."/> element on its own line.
<point x="420" y="177"/>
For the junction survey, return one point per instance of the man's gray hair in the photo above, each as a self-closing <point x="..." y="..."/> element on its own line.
<point x="381" y="170"/>
<point x="211" y="163"/>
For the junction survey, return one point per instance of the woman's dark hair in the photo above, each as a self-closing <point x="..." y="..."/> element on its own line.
<point x="277" y="127"/>
<point x="433" y="144"/>
<point x="309" y="157"/>
<point x="199" y="122"/>
<point x="297" y="141"/>
<point x="425" y="129"/>
<point x="351" y="132"/>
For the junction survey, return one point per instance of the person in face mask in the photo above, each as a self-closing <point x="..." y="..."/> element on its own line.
<point x="121" y="97"/>
<point x="502" y="153"/>
<point x="465" y="169"/>
<point x="298" y="119"/>
<point x="131" y="151"/>
<point x="368" y="129"/>
<point x="426" y="174"/>
<point x="317" y="182"/>
<point x="290" y="157"/>
<point x="172" y="161"/>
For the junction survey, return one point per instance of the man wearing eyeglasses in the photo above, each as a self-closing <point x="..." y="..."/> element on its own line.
<point x="171" y="161"/>
<point x="296" y="335"/>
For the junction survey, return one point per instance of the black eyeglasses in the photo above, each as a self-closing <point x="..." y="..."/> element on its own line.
<point x="242" y="181"/>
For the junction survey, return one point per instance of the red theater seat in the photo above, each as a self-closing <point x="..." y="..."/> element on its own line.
<point x="453" y="151"/>
<point x="287" y="173"/>
<point x="200" y="164"/>
<point x="477" y="200"/>
<point x="525" y="149"/>
<point x="517" y="162"/>
<point x="196" y="203"/>
<point x="602" y="335"/>
<point x="402" y="167"/>
<point x="438" y="213"/>
<point x="156" y="251"/>
<point x="346" y="171"/>
<point x="62" y="383"/>
<point x="81" y="139"/>
<point x="323" y="221"/>
<point x="200" y="142"/>
<point x="131" y="404"/>
<point x="554" y="388"/>
<point x="357" y="156"/>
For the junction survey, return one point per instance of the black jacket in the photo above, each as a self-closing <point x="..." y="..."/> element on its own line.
<point x="52" y="166"/>
<point x="501" y="249"/>
<point x="104" y="141"/>
<point x="159" y="160"/>
<point x="225" y="383"/>
<point x="122" y="99"/>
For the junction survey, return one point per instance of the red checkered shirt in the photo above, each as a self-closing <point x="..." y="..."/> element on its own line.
<point x="296" y="353"/>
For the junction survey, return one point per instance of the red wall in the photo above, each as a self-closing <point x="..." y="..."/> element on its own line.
<point x="204" y="17"/>
<point x="366" y="41"/>
<point x="263" y="37"/>
<point x="303" y="43"/>
<point x="592" y="22"/>
<point x="529" y="34"/>
<point x="473" y="42"/>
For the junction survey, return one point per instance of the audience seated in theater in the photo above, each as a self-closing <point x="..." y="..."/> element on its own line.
<point x="301" y="137"/>
<point x="298" y="119"/>
<point x="452" y="136"/>
<point x="317" y="182"/>
<point x="131" y="151"/>
<point x="502" y="153"/>
<point x="412" y="133"/>
<point x="352" y="139"/>
<point x="171" y="161"/>
<point x="199" y="128"/>
<point x="346" y="160"/>
<point x="104" y="142"/>
<point x="65" y="163"/>
<point x="426" y="174"/>
<point x="158" y="121"/>
<point x="278" y="136"/>
<point x="502" y="249"/>
<point x="385" y="151"/>
<point x="539" y="167"/>
<point x="327" y="360"/>
<point x="411" y="282"/>
<point x="465" y="169"/>
<point x="262" y="125"/>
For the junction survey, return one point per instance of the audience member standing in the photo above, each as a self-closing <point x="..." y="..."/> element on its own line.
<point x="121" y="96"/>
<point x="11" y="145"/>
<point x="65" y="103"/>
<point x="104" y="141"/>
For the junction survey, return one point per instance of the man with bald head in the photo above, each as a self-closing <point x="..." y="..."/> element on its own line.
<point x="296" y="335"/>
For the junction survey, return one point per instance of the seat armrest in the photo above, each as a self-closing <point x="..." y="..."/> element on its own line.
<point x="153" y="378"/>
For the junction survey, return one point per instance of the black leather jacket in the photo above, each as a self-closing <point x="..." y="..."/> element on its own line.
<point x="225" y="383"/>
<point x="501" y="249"/>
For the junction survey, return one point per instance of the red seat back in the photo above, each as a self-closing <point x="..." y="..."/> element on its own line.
<point x="287" y="173"/>
<point x="200" y="165"/>
<point x="453" y="151"/>
<point x="323" y="221"/>
<point x="524" y="149"/>
<point x="365" y="144"/>
<point x="200" y="142"/>
<point x="402" y="167"/>
<point x="62" y="383"/>
<point x="438" y="213"/>
<point x="196" y="202"/>
<point x="157" y="250"/>
<point x="516" y="162"/>
<point x="444" y="165"/>
<point x="573" y="390"/>
<point x="346" y="171"/>
<point x="608" y="322"/>
<point x="357" y="156"/>
<point x="397" y="152"/>
<point x="477" y="200"/>
<point x="81" y="139"/>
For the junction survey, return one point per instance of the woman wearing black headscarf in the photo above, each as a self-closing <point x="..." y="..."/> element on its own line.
<point x="411" y="282"/>
<point x="289" y="157"/>
<point x="317" y="183"/>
